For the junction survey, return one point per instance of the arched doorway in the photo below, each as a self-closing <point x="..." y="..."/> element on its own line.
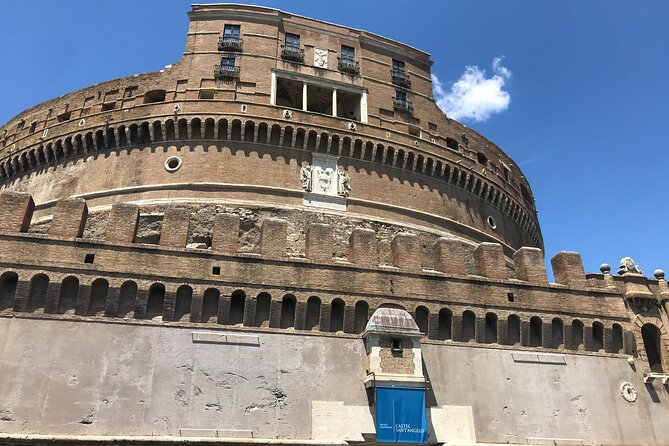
<point x="651" y="343"/>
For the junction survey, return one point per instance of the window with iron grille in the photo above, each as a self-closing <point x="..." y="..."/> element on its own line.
<point x="398" y="66"/>
<point x="231" y="32"/>
<point x="347" y="53"/>
<point x="292" y="40"/>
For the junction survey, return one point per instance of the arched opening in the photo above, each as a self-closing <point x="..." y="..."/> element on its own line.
<point x="422" y="319"/>
<point x="154" y="306"/>
<point x="8" y="283"/>
<point x="249" y="130"/>
<point x="236" y="133"/>
<point x="576" y="334"/>
<point x="183" y="302"/>
<point x="210" y="305"/>
<point x="361" y="316"/>
<point x="468" y="326"/>
<point x="98" y="297"/>
<point x="557" y="333"/>
<point x="275" y="135"/>
<point x="513" y="330"/>
<point x="490" y="328"/>
<point x="262" y="133"/>
<point x="263" y="305"/>
<point x="616" y="338"/>
<point x="287" y="136"/>
<point x="597" y="336"/>
<point x="313" y="318"/>
<point x="287" y="311"/>
<point x="651" y="343"/>
<point x="536" y="328"/>
<point x="196" y="128"/>
<point x="445" y="324"/>
<point x="337" y="316"/>
<point x="37" y="294"/>
<point x="237" y="303"/>
<point x="126" y="299"/>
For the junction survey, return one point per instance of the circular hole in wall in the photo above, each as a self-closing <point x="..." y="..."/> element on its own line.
<point x="172" y="164"/>
<point x="491" y="222"/>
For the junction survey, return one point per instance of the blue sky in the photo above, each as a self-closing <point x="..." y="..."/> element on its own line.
<point x="579" y="97"/>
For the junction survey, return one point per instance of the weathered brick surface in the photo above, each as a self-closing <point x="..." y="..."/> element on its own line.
<point x="448" y="256"/>
<point x="123" y="228"/>
<point x="273" y="238"/>
<point x="174" y="233"/>
<point x="530" y="266"/>
<point x="225" y="235"/>
<point x="568" y="269"/>
<point x="319" y="244"/>
<point x="405" y="251"/>
<point x="69" y="218"/>
<point x="362" y="248"/>
<point x="16" y="210"/>
<point x="489" y="261"/>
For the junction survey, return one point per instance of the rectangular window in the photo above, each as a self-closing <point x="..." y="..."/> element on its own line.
<point x="347" y="53"/>
<point x="398" y="66"/>
<point x="227" y="61"/>
<point x="231" y="32"/>
<point x="400" y="96"/>
<point x="292" y="40"/>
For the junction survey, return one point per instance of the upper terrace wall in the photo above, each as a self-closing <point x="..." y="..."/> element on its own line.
<point x="428" y="140"/>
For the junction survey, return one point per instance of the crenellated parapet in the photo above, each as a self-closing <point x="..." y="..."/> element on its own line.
<point x="470" y="293"/>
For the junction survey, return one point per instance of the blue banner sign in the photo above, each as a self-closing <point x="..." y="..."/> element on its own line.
<point x="400" y="415"/>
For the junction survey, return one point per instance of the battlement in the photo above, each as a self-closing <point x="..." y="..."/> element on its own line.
<point x="469" y="294"/>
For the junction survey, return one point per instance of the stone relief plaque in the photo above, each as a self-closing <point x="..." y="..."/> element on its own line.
<point x="320" y="58"/>
<point x="325" y="182"/>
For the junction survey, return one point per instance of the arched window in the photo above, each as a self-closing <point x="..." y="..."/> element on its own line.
<point x="8" y="283"/>
<point x="183" y="302"/>
<point x="154" y="306"/>
<point x="445" y="324"/>
<point x="126" y="299"/>
<point x="468" y="326"/>
<point x="263" y="305"/>
<point x="210" y="305"/>
<point x="98" y="297"/>
<point x="287" y="311"/>
<point x="422" y="319"/>
<point x="536" y="331"/>
<point x="37" y="293"/>
<point x="576" y="334"/>
<point x="337" y="316"/>
<point x="557" y="333"/>
<point x="361" y="316"/>
<point x="597" y="336"/>
<point x="490" y="328"/>
<point x="513" y="330"/>
<point x="237" y="301"/>
<point x="313" y="318"/>
<point x="616" y="338"/>
<point x="651" y="343"/>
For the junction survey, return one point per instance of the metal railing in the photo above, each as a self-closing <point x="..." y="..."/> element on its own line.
<point x="226" y="72"/>
<point x="401" y="78"/>
<point x="402" y="105"/>
<point x="292" y="53"/>
<point x="347" y="65"/>
<point x="230" y="44"/>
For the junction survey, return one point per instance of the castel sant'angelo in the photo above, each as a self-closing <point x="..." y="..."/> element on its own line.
<point x="281" y="239"/>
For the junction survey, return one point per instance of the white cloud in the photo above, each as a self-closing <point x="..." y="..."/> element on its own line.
<point x="474" y="96"/>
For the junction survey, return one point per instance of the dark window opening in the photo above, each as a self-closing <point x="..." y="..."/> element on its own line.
<point x="597" y="336"/>
<point x="445" y="324"/>
<point x="482" y="159"/>
<point x="651" y="342"/>
<point x="33" y="126"/>
<point x="557" y="333"/>
<point x="287" y="312"/>
<point x="230" y="40"/>
<point x="510" y="297"/>
<point x="210" y="305"/>
<point x="206" y="94"/>
<point x="348" y="105"/>
<point x="468" y="326"/>
<point x="90" y="258"/>
<point x="361" y="316"/>
<point x="337" y="316"/>
<point x="291" y="49"/>
<point x="183" y="303"/>
<point x="506" y="174"/>
<point x="154" y="306"/>
<point x="237" y="304"/>
<point x="414" y="131"/>
<point x="490" y="328"/>
<point x="289" y="93"/>
<point x="536" y="329"/>
<point x="452" y="144"/>
<point x="422" y="318"/>
<point x="513" y="330"/>
<point x="263" y="304"/>
<point x="396" y="345"/>
<point x="154" y="96"/>
<point x="577" y="334"/>
<point x="108" y="106"/>
<point x="63" y="117"/>
<point x="319" y="99"/>
<point x="216" y="270"/>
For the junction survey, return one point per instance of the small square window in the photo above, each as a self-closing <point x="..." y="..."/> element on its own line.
<point x="347" y="53"/>
<point x="207" y="94"/>
<point x="510" y="297"/>
<point x="292" y="40"/>
<point x="90" y="258"/>
<point x="33" y="127"/>
<point x="216" y="271"/>
<point x="63" y="117"/>
<point x="231" y="32"/>
<point x="396" y="345"/>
